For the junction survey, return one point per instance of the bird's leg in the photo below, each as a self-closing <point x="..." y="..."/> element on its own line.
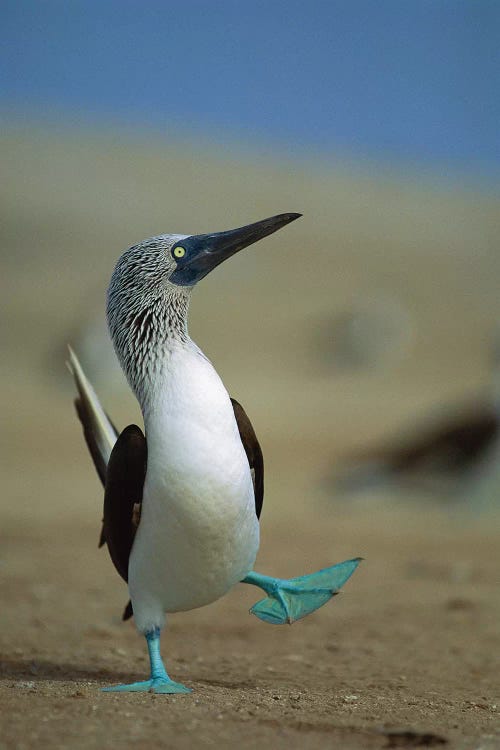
<point x="295" y="598"/>
<point x="159" y="681"/>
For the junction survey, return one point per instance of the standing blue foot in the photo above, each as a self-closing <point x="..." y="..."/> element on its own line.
<point x="156" y="685"/>
<point x="293" y="599"/>
<point x="159" y="681"/>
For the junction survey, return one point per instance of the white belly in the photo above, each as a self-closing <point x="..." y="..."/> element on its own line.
<point x="199" y="533"/>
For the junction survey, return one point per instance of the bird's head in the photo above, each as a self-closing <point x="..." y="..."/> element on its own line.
<point x="148" y="296"/>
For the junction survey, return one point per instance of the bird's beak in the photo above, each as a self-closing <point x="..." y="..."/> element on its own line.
<point x="203" y="252"/>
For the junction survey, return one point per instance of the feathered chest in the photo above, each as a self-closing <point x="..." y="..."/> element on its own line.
<point x="194" y="447"/>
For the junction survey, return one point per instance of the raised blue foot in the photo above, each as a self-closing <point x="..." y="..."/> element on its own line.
<point x="295" y="598"/>
<point x="159" y="681"/>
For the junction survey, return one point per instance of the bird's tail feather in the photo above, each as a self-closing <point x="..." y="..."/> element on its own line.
<point x="100" y="433"/>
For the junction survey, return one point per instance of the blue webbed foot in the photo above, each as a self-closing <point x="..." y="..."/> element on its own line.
<point x="159" y="682"/>
<point x="154" y="685"/>
<point x="293" y="599"/>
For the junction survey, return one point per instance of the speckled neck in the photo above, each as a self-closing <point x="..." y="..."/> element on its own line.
<point x="144" y="331"/>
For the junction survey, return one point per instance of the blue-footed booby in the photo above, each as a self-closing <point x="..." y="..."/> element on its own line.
<point x="182" y="501"/>
<point x="452" y="454"/>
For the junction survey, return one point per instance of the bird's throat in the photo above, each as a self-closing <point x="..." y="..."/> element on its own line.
<point x="144" y="340"/>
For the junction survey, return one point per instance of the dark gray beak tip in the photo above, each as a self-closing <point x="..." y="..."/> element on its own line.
<point x="272" y="224"/>
<point x="287" y="218"/>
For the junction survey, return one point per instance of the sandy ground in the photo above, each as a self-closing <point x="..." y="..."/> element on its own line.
<point x="407" y="656"/>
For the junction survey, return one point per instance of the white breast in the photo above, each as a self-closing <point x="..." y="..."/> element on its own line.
<point x="198" y="534"/>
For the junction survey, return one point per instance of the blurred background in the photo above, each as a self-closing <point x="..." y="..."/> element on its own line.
<point x="369" y="327"/>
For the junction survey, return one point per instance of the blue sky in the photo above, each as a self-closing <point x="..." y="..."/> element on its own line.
<point x="391" y="80"/>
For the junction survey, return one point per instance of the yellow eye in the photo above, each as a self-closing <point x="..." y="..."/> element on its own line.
<point x="179" y="251"/>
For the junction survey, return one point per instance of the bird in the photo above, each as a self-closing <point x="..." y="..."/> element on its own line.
<point x="454" y="453"/>
<point x="182" y="500"/>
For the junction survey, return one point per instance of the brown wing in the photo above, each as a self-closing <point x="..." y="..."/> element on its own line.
<point x="122" y="474"/>
<point x="123" y="490"/>
<point x="122" y="495"/>
<point x="253" y="451"/>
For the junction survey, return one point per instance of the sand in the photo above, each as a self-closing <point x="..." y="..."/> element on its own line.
<point x="407" y="655"/>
